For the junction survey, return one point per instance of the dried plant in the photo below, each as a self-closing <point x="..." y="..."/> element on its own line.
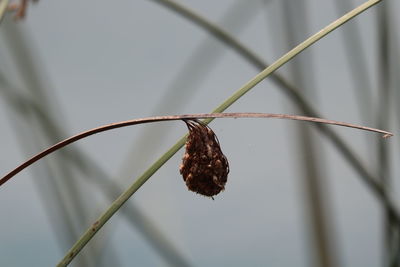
<point x="20" y="8"/>
<point x="204" y="167"/>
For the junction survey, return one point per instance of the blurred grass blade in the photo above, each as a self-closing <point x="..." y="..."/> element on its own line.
<point x="357" y="60"/>
<point x="316" y="201"/>
<point x="30" y="72"/>
<point x="390" y="226"/>
<point x="214" y="30"/>
<point x="49" y="189"/>
<point x="3" y="9"/>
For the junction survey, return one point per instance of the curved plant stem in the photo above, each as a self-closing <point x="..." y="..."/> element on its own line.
<point x="174" y="118"/>
<point x="3" y="9"/>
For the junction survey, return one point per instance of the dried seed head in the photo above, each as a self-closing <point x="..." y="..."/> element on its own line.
<point x="204" y="167"/>
<point x="19" y="8"/>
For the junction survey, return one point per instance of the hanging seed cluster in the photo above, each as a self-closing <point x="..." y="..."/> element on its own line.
<point x="204" y="167"/>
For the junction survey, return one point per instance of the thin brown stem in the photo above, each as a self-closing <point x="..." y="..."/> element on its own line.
<point x="179" y="117"/>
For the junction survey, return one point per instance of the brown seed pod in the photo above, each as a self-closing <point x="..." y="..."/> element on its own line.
<point x="204" y="167"/>
<point x="19" y="8"/>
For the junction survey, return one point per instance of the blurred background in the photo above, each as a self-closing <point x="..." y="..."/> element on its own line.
<point x="295" y="196"/>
